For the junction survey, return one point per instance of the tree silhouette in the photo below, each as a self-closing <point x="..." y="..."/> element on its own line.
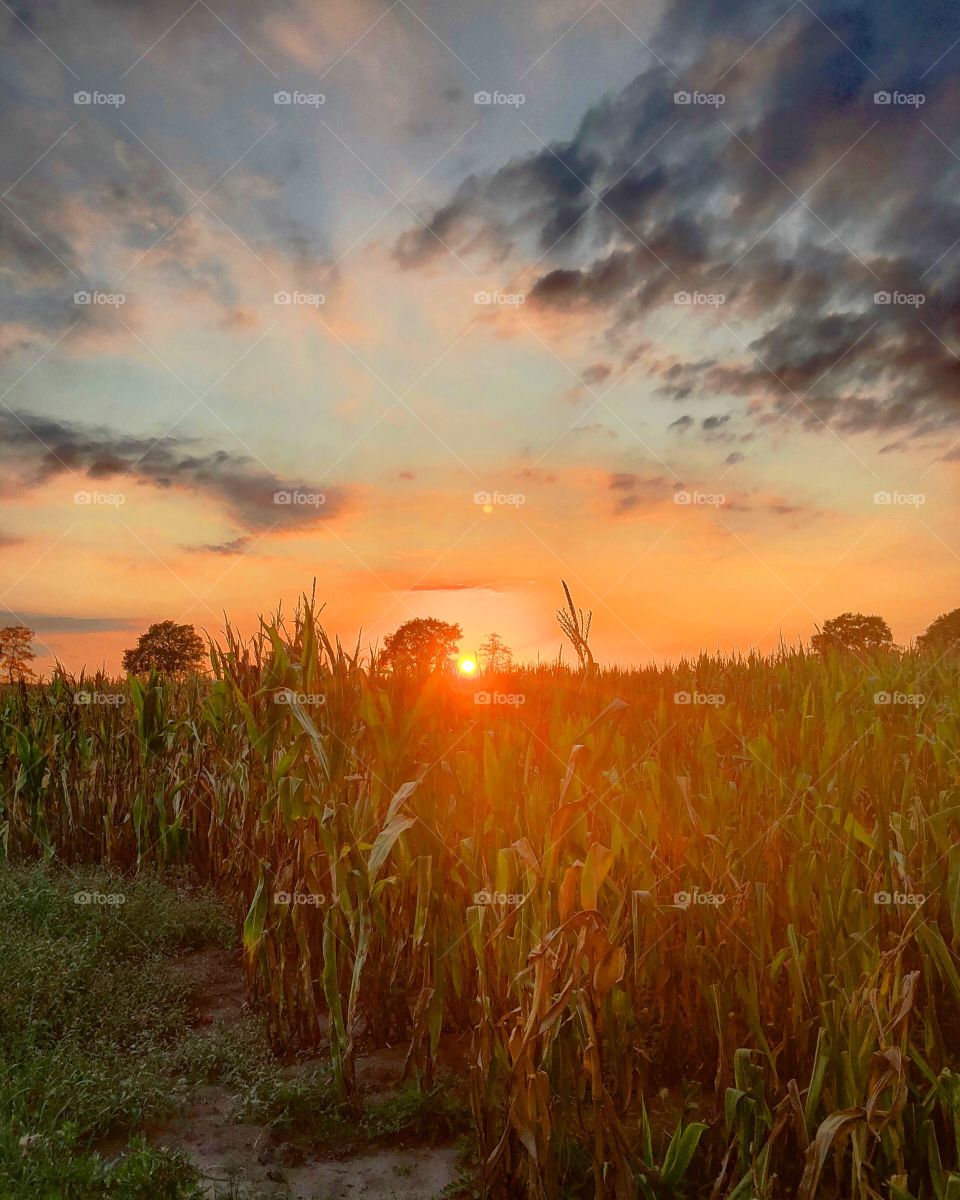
<point x="852" y="631"/>
<point x="420" y="647"/>
<point x="16" y="654"/>
<point x="495" y="654"/>
<point x="167" y="647"/>
<point x="942" y="634"/>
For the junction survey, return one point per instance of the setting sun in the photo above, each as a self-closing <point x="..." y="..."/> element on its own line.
<point x="656" y="890"/>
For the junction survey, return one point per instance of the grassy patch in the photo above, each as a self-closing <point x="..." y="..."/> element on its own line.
<point x="305" y="1104"/>
<point x="436" y="1114"/>
<point x="90" y="1019"/>
<point x="96" y="1044"/>
<point x="236" y="1056"/>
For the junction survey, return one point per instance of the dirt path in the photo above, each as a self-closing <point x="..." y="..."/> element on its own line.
<point x="249" y="1161"/>
<point x="255" y="1163"/>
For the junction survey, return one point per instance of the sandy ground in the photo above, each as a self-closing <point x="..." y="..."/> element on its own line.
<point x="252" y="1161"/>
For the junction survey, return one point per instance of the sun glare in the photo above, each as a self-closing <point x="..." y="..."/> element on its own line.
<point x="467" y="666"/>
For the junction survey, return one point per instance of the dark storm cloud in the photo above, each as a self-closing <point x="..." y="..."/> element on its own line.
<point x="596" y="373"/>
<point x="798" y="199"/>
<point x="746" y="503"/>
<point x="225" y="549"/>
<point x="634" y="492"/>
<point x="41" y="448"/>
<point x="57" y="623"/>
<point x="537" y="475"/>
<point x="591" y="377"/>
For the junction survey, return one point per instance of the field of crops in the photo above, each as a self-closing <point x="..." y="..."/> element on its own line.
<point x="727" y="894"/>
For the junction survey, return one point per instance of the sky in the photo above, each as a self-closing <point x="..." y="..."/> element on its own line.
<point x="440" y="304"/>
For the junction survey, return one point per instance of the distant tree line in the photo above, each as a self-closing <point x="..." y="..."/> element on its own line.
<point x="859" y="633"/>
<point x="425" y="645"/>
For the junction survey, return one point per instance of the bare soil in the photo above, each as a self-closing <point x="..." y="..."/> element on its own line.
<point x="255" y="1162"/>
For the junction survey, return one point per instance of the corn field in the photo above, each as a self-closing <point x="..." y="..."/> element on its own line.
<point x="728" y="890"/>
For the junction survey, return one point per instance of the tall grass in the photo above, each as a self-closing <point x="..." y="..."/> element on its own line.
<point x="663" y="925"/>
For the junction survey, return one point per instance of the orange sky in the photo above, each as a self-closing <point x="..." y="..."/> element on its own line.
<point x="677" y="343"/>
